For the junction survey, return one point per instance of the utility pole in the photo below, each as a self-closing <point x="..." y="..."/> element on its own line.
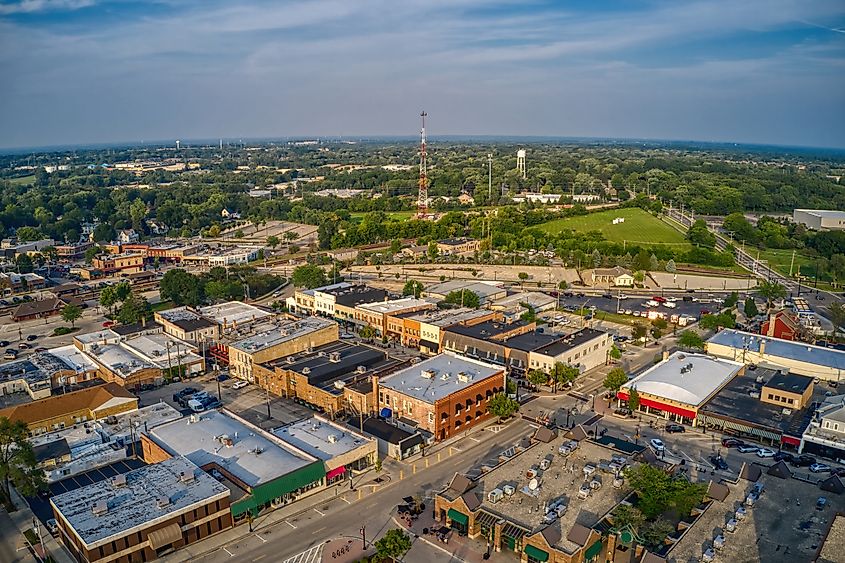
<point x="489" y="177"/>
<point x="422" y="197"/>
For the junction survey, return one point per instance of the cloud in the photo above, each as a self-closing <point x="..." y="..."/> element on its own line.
<point x="32" y="6"/>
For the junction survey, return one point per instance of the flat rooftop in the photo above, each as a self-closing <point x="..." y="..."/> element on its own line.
<point x="487" y="330"/>
<point x="321" y="438"/>
<point x="534" y="298"/>
<point x="72" y="359"/>
<point x="777" y="348"/>
<point x="283" y="331"/>
<point x="783" y="525"/>
<point x="388" y="307"/>
<point x="446" y="317"/>
<point x="357" y="295"/>
<point x="118" y="359"/>
<point x="735" y="401"/>
<point x="826" y="213"/>
<point x="105" y="336"/>
<point x="139" y="503"/>
<point x="484" y="290"/>
<point x="234" y="312"/>
<point x="571" y="341"/>
<point x="202" y="442"/>
<point x="336" y="361"/>
<point x="438" y="377"/>
<point x="561" y="481"/>
<point x="162" y="349"/>
<point x="686" y="378"/>
<point x="25" y="369"/>
<point x="186" y="319"/>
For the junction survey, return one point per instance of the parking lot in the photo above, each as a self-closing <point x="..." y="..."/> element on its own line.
<point x="618" y="301"/>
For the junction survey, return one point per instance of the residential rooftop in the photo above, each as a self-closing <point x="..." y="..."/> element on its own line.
<point x="282" y="331"/>
<point x="321" y="438"/>
<point x="778" y="348"/>
<point x="243" y="450"/>
<point x="234" y="313"/>
<point x="151" y="494"/>
<point x="686" y="378"/>
<point x="388" y="307"/>
<point x="440" y="376"/>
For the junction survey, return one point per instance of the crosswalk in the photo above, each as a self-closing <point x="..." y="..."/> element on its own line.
<point x="312" y="555"/>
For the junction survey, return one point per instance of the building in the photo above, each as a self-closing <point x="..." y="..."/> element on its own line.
<point x="534" y="197"/>
<point x="783" y="325"/>
<point x="678" y="386"/>
<point x="25" y="378"/>
<point x="234" y="316"/>
<point x="187" y="324"/>
<point x="343" y="254"/>
<point x="615" y="277"/>
<point x="486" y="291"/>
<point x="232" y="256"/>
<point x="143" y="514"/>
<point x="818" y="219"/>
<point x="585" y="349"/>
<point x="279" y="340"/>
<point x="18" y="283"/>
<point x="303" y="301"/>
<point x="825" y="434"/>
<point x="764" y="404"/>
<point x="453" y="246"/>
<point x="38" y="309"/>
<point x="585" y="198"/>
<point x="72" y="251"/>
<point x="340" y="302"/>
<point x="536" y="300"/>
<point x="376" y="315"/>
<point x="127" y="236"/>
<point x="62" y="411"/>
<point x="424" y="330"/>
<point x="393" y="441"/>
<point x="443" y="395"/>
<point x="260" y="470"/>
<point x="342" y="451"/>
<point x="487" y="340"/>
<point x="119" y="264"/>
<point x="827" y="364"/>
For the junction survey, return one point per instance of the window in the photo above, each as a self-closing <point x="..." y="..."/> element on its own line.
<point x="431" y="418"/>
<point x="771" y="397"/>
<point x="790" y="401"/>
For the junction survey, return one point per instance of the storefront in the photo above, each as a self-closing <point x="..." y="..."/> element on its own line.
<point x="458" y="521"/>
<point x="674" y="413"/>
<point x="535" y="554"/>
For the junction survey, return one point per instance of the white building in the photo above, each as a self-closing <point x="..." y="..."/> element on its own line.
<point x="819" y="219"/>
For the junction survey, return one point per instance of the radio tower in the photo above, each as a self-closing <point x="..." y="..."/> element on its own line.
<point x="422" y="198"/>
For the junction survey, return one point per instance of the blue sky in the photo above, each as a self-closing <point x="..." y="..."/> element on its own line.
<point x="85" y="71"/>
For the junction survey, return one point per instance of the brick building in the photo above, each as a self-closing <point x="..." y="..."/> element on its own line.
<point x="782" y="324"/>
<point x="378" y="315"/>
<point x="442" y="395"/>
<point x="112" y="264"/>
<point x="424" y="329"/>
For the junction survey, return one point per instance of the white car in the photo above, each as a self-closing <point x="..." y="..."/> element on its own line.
<point x="657" y="445"/>
<point x="240" y="384"/>
<point x="670" y="304"/>
<point x="765" y="452"/>
<point x="623" y="296"/>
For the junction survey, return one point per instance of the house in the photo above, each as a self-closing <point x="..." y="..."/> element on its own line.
<point x="38" y="309"/>
<point x="782" y="324"/>
<point x="127" y="236"/>
<point x="230" y="215"/>
<point x="615" y="277"/>
<point x="466" y="199"/>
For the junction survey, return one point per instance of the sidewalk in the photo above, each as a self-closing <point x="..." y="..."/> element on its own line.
<point x="24" y="518"/>
<point x="456" y="546"/>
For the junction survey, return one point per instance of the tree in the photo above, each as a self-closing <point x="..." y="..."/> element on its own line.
<point x="413" y="287"/>
<point x="564" y="285"/>
<point x="181" y="287"/>
<point x="309" y="276"/>
<point x="28" y="234"/>
<point x="394" y="544"/>
<point x="239" y="233"/>
<point x="122" y="290"/>
<point x="732" y="300"/>
<point x="104" y="232"/>
<point x="92" y="253"/>
<point x="502" y="406"/>
<point x="71" y="313"/>
<point x="463" y="297"/>
<point x="615" y="379"/>
<point x="639" y="331"/>
<point x="615" y="353"/>
<point x="273" y="241"/>
<point x="771" y="290"/>
<point x="367" y="332"/>
<point x="522" y="278"/>
<point x="661" y="493"/>
<point x="713" y="322"/>
<point x="750" y="309"/>
<point x="18" y="465"/>
<point x="671" y="267"/>
<point x="658" y="326"/>
<point x="837" y="316"/>
<point x="698" y="234"/>
<point x="24" y="263"/>
<point x="691" y="340"/>
<point x="562" y="374"/>
<point x="639" y="277"/>
<point x="134" y="309"/>
<point x="538" y="377"/>
<point x="633" y="399"/>
<point x="433" y="251"/>
<point x="108" y="297"/>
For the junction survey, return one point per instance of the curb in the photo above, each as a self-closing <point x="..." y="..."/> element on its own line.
<point x="428" y="542"/>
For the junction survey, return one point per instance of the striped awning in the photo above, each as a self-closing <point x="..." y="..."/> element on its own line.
<point x="165" y="536"/>
<point x="513" y="531"/>
<point x="737" y="426"/>
<point x="486" y="519"/>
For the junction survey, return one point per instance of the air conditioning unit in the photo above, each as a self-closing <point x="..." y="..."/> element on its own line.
<point x="495" y="496"/>
<point x="464" y="377"/>
<point x="361" y="369"/>
<point x="291" y="359"/>
<point x="162" y="502"/>
<point x="306" y="370"/>
<point x="509" y="490"/>
<point x="334" y="357"/>
<point x="119" y="480"/>
<point x="100" y="508"/>
<point x="187" y="477"/>
<point x="427" y="374"/>
<point x="331" y="438"/>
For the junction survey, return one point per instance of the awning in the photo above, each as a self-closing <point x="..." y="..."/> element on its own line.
<point x="433" y="346"/>
<point x="789" y="440"/>
<point x="336" y="471"/>
<point x="486" y="519"/>
<point x="661" y="406"/>
<point x="536" y="553"/>
<point x="165" y="536"/>
<point x="386" y="413"/>
<point x="593" y="551"/>
<point x="456" y="516"/>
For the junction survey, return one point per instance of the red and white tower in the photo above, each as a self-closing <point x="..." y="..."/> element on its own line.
<point x="422" y="198"/>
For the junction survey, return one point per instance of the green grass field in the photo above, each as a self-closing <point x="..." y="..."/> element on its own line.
<point x="640" y="227"/>
<point x="781" y="260"/>
<point x="395" y="215"/>
<point x="23" y="180"/>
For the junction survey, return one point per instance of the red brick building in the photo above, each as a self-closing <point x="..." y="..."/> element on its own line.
<point x="782" y="324"/>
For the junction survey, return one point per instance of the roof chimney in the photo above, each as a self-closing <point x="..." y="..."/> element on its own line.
<point x="762" y="347"/>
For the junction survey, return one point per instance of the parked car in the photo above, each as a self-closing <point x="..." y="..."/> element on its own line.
<point x="657" y="445"/>
<point x="4" y="343"/>
<point x="223" y="377"/>
<point x="31" y="337"/>
<point x="765" y="452"/>
<point x="659" y="299"/>
<point x="24" y="346"/>
<point x="673" y="428"/>
<point x="804" y="460"/>
<point x="10" y="354"/>
<point x="108" y="324"/>
<point x="52" y="526"/>
<point x="819" y="467"/>
<point x="747" y="449"/>
<point x="240" y="384"/>
<point x="718" y="462"/>
<point x="784" y="456"/>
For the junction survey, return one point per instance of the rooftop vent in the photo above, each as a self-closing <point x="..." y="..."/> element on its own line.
<point x="291" y="359"/>
<point x="162" y="502"/>
<point x="306" y="370"/>
<point x="100" y="507"/>
<point x="187" y="477"/>
<point x="361" y="369"/>
<point x="334" y="357"/>
<point x="119" y="480"/>
<point x="445" y="376"/>
<point x="331" y="438"/>
<point x="464" y="377"/>
<point x="428" y="373"/>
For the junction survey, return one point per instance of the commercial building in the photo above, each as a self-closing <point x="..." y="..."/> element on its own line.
<point x="678" y="386"/>
<point x="393" y="441"/>
<point x="61" y="411"/>
<point x="764" y="404"/>
<point x="798" y="357"/>
<point x="279" y="340"/>
<point x="72" y="251"/>
<point x="424" y="330"/>
<point x="614" y="277"/>
<point x="234" y="316"/>
<point x="121" y="264"/>
<point x="259" y="469"/>
<point x="38" y="309"/>
<point x="26" y="378"/>
<point x="825" y="433"/>
<point x="585" y="349"/>
<point x="303" y="301"/>
<point x="783" y="325"/>
<point x="820" y="219"/>
<point x="330" y="378"/>
<point x="443" y="395"/>
<point x="340" y="303"/>
<point x="17" y="283"/>
<point x="342" y="451"/>
<point x="451" y="246"/>
<point x="486" y="291"/>
<point x="376" y="315"/>
<point x="536" y="300"/>
<point x="187" y="324"/>
<point x="143" y="514"/>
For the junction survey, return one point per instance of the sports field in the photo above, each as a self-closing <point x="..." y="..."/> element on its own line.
<point x="640" y="227"/>
<point x="781" y="260"/>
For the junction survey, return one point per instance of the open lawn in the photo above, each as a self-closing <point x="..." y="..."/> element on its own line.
<point x="781" y="260"/>
<point x="640" y="227"/>
<point x="23" y="180"/>
<point x="395" y="215"/>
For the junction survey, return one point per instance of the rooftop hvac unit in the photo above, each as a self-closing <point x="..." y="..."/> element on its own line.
<point x="321" y="353"/>
<point x="464" y="377"/>
<point x="444" y="377"/>
<point x="509" y="490"/>
<point x="754" y="394"/>
<point x="291" y="359"/>
<point x="331" y="438"/>
<point x="495" y="496"/>
<point x="119" y="480"/>
<point x="187" y="477"/>
<point x="334" y="357"/>
<point x="162" y="502"/>
<point x="428" y="373"/>
<point x="760" y="379"/>
<point x="306" y="370"/>
<point x="361" y="369"/>
<point x="787" y="412"/>
<point x="100" y="507"/>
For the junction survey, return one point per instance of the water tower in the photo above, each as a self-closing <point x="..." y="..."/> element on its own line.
<point x="520" y="161"/>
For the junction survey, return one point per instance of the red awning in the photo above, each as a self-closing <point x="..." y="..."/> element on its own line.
<point x="790" y="440"/>
<point x="336" y="471"/>
<point x="661" y="406"/>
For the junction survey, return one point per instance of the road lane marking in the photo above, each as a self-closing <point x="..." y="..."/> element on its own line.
<point x="259" y="537"/>
<point x="289" y="524"/>
<point x="318" y="512"/>
<point x="260" y="557"/>
<point x="229" y="552"/>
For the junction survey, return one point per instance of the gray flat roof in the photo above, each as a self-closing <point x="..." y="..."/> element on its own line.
<point x="482" y="289"/>
<point x="778" y="348"/>
<point x="446" y="317"/>
<point x="321" y="438"/>
<point x="833" y="214"/>
<point x="387" y="307"/>
<point x="254" y="456"/>
<point x="282" y="332"/>
<point x="234" y="312"/>
<point x="136" y="505"/>
<point x="438" y="377"/>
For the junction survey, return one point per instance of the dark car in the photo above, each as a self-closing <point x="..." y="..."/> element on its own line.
<point x="803" y="460"/>
<point x="731" y="442"/>
<point x="4" y="343"/>
<point x="672" y="428"/>
<point x="31" y="337"/>
<point x="607" y="296"/>
<point x="718" y="462"/>
<point x="784" y="456"/>
<point x="222" y="377"/>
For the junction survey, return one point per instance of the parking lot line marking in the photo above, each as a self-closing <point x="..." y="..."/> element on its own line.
<point x="259" y="537"/>
<point x="318" y="512"/>
<point x="229" y="552"/>
<point x="474" y="439"/>
<point x="344" y="500"/>
<point x="289" y="524"/>
<point x="260" y="557"/>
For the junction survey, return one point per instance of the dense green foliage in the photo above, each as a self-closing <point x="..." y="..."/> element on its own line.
<point x="502" y="406"/>
<point x="659" y="492"/>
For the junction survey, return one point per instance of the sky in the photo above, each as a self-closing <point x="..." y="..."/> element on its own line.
<point x="96" y="71"/>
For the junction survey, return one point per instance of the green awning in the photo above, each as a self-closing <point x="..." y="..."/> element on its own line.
<point x="456" y="516"/>
<point x="536" y="553"/>
<point x="593" y="551"/>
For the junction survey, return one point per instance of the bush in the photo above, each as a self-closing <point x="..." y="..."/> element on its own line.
<point x="62" y="330"/>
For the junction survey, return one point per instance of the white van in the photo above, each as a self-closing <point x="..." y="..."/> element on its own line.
<point x="196" y="405"/>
